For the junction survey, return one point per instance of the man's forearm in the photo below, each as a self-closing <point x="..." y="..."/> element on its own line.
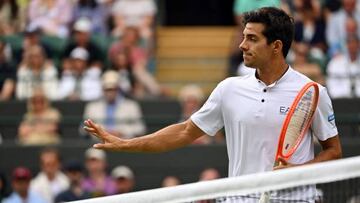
<point x="169" y="138"/>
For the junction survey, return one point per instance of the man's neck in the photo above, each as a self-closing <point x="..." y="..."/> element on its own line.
<point x="272" y="72"/>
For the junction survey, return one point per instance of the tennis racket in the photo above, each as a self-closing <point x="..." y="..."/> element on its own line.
<point x="295" y="126"/>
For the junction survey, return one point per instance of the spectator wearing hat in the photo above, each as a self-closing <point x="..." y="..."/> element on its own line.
<point x="82" y="35"/>
<point x="20" y="182"/>
<point x="75" y="173"/>
<point x="79" y="81"/>
<point x="98" y="182"/>
<point x="118" y="114"/>
<point x="124" y="179"/>
<point x="50" y="181"/>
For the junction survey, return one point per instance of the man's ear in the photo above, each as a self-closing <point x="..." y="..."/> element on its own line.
<point x="277" y="46"/>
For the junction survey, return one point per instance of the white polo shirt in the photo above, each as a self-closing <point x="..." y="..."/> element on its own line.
<point x="253" y="113"/>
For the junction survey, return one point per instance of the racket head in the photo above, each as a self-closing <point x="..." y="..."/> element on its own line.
<point x="298" y="120"/>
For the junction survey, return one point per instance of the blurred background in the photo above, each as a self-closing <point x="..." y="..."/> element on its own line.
<point x="136" y="66"/>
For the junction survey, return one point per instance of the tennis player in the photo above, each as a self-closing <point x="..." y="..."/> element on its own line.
<point x="251" y="108"/>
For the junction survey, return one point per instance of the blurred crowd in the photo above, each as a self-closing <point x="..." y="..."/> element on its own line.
<point x="102" y="52"/>
<point x="63" y="181"/>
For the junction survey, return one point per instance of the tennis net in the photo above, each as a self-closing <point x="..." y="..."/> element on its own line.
<point x="328" y="182"/>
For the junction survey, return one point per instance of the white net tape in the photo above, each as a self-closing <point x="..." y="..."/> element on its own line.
<point x="254" y="183"/>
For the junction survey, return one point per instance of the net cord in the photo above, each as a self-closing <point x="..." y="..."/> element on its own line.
<point x="253" y="183"/>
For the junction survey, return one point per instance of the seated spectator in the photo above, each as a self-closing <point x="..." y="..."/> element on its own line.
<point x="302" y="64"/>
<point x="74" y="171"/>
<point x="336" y="32"/>
<point x="170" y="181"/>
<point x="79" y="81"/>
<point x="96" y="11"/>
<point x="124" y="179"/>
<point x="12" y="17"/>
<point x="50" y="181"/>
<point x="81" y="38"/>
<point x="32" y="37"/>
<point x="127" y="79"/>
<point x="7" y="75"/>
<point x="140" y="14"/>
<point x="137" y="56"/>
<point x="36" y="72"/>
<point x="21" y="178"/>
<point x="40" y="123"/>
<point x="51" y="16"/>
<point x="118" y="114"/>
<point x="343" y="73"/>
<point x="191" y="98"/>
<point x="209" y="174"/>
<point x="98" y="183"/>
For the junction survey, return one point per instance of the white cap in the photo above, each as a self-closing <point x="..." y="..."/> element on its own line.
<point x="110" y="79"/>
<point x="79" y="53"/>
<point x="82" y="25"/>
<point x="122" y="172"/>
<point x="93" y="153"/>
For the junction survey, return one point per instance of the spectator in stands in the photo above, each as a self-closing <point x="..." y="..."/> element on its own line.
<point x="82" y="35"/>
<point x="50" y="181"/>
<point x="40" y="123"/>
<point x="96" y="11"/>
<point x="98" y="183"/>
<point x="21" y="178"/>
<point x="7" y="75"/>
<point x="74" y="171"/>
<point x="310" y="28"/>
<point x="51" y="16"/>
<point x="139" y="13"/>
<point x="343" y="72"/>
<point x="146" y="85"/>
<point x="124" y="179"/>
<point x="12" y="17"/>
<point x="209" y="174"/>
<point x="302" y="64"/>
<point x="4" y="187"/>
<point x="78" y="78"/>
<point x="336" y="32"/>
<point x="32" y="37"/>
<point x="122" y="65"/>
<point x="191" y="98"/>
<point x="117" y="113"/>
<point x="36" y="71"/>
<point x="170" y="181"/>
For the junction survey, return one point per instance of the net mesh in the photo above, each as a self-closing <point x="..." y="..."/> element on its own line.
<point x="329" y="182"/>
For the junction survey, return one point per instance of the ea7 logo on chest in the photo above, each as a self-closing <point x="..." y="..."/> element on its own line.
<point x="283" y="110"/>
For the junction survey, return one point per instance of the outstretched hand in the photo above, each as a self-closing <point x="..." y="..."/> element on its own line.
<point x="108" y="141"/>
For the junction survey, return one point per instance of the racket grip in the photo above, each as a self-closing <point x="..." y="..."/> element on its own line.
<point x="265" y="197"/>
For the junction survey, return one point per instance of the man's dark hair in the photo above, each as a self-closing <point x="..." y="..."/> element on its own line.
<point x="278" y="25"/>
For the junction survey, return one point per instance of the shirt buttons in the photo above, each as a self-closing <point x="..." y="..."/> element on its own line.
<point x="263" y="100"/>
<point x="264" y="90"/>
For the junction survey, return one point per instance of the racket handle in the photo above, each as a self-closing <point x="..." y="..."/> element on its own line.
<point x="265" y="197"/>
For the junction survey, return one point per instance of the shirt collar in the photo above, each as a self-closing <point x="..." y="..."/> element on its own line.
<point x="283" y="78"/>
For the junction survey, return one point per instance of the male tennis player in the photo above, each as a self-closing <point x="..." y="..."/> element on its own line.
<point x="251" y="108"/>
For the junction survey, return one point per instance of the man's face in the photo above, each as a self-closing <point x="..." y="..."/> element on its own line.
<point x="50" y="163"/>
<point x="256" y="51"/>
<point x="21" y="186"/>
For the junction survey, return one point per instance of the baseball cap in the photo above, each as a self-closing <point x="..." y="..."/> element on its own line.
<point x="79" y="53"/>
<point x="93" y="153"/>
<point x="73" y="165"/>
<point x="122" y="172"/>
<point x="21" y="173"/>
<point x="82" y="25"/>
<point x="110" y="79"/>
